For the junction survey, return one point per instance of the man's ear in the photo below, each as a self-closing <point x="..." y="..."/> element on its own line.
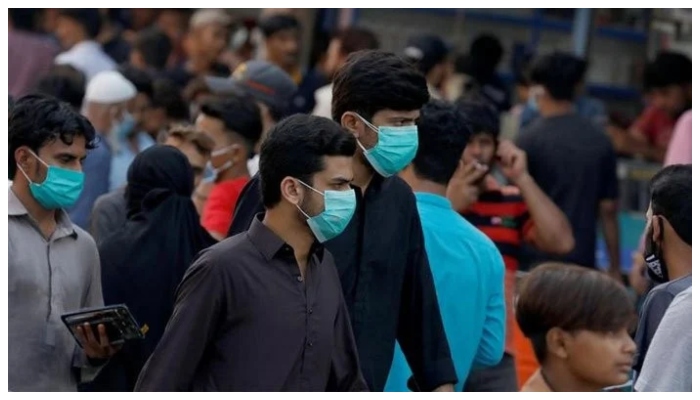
<point x="352" y="123"/>
<point x="291" y="191"/>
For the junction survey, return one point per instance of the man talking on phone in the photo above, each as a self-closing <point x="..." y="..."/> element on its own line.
<point x="510" y="215"/>
<point x="53" y="264"/>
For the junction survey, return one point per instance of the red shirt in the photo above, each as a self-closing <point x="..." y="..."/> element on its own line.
<point x="656" y="126"/>
<point x="218" y="210"/>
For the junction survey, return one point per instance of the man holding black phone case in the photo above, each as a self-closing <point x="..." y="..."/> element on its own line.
<point x="53" y="264"/>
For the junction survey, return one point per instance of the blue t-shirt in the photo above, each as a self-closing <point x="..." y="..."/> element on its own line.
<point x="468" y="272"/>
<point x="124" y="156"/>
<point x="97" y="167"/>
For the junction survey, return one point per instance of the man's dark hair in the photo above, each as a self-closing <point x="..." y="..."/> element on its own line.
<point x="154" y="46"/>
<point x="167" y="95"/>
<point x="295" y="147"/>
<point x="670" y="191"/>
<point x="668" y="69"/>
<point x="89" y="18"/>
<point x="240" y="115"/>
<point x="65" y="83"/>
<point x="559" y="73"/>
<point x="37" y="120"/>
<point x="356" y="39"/>
<point x="485" y="53"/>
<point x="372" y="81"/>
<point x="24" y="19"/>
<point x="278" y="23"/>
<point x="571" y="298"/>
<point x="142" y="80"/>
<point x="482" y="117"/>
<point x="443" y="133"/>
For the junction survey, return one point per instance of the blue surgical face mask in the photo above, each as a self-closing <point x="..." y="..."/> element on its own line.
<point x="395" y="149"/>
<point x="123" y="128"/>
<point x="339" y="207"/>
<point x="60" y="189"/>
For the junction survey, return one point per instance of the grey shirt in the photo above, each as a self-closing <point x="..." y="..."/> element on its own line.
<point x="47" y="278"/>
<point x="108" y="214"/>
<point x="669" y="362"/>
<point x="653" y="310"/>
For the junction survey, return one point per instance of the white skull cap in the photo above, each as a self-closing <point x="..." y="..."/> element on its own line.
<point x="109" y="87"/>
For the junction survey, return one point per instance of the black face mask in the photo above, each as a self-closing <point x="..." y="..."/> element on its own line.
<point x="653" y="255"/>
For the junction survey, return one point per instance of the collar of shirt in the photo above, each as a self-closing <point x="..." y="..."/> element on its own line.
<point x="87" y="46"/>
<point x="143" y="141"/>
<point x="434" y="200"/>
<point x="15" y="208"/>
<point x="269" y="244"/>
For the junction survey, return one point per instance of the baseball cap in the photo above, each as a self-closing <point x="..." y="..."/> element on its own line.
<point x="426" y="51"/>
<point x="264" y="81"/>
<point x="109" y="87"/>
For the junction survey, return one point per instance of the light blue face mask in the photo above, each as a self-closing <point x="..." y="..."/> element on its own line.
<point x="339" y="207"/>
<point x="60" y="189"/>
<point x="122" y="129"/>
<point x="395" y="149"/>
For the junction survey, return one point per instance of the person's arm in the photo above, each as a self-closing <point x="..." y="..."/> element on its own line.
<point x="552" y="232"/>
<point x="654" y="309"/>
<point x="249" y="204"/>
<point x="608" y="211"/>
<point x="190" y="330"/>
<point x="88" y="368"/>
<point x="493" y="336"/>
<point x="346" y="375"/>
<point x="421" y="334"/>
<point x="668" y="364"/>
<point x="200" y="196"/>
<point x="680" y="147"/>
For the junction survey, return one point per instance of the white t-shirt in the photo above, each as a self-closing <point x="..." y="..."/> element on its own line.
<point x="669" y="361"/>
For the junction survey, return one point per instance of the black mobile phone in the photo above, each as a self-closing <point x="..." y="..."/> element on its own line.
<point x="120" y="325"/>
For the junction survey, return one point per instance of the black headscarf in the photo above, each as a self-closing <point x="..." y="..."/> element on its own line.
<point x="144" y="261"/>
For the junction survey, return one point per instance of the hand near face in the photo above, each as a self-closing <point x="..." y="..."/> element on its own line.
<point x="463" y="188"/>
<point x="512" y="160"/>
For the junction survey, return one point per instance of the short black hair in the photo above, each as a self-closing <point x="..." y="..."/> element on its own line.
<point x="354" y="39"/>
<point x="276" y="23"/>
<point x="443" y="133"/>
<point x="142" y="80"/>
<point x="24" y="19"/>
<point x="559" y="73"/>
<point x="670" y="192"/>
<point x="571" y="298"/>
<point x="668" y="69"/>
<point x="482" y="117"/>
<point x="239" y="113"/>
<point x="373" y="80"/>
<point x="89" y="18"/>
<point x="65" y="83"/>
<point x="485" y="53"/>
<point x="154" y="46"/>
<point x="38" y="119"/>
<point x="167" y="95"/>
<point x="295" y="147"/>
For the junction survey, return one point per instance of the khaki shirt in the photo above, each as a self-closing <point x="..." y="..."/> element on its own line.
<point x="48" y="278"/>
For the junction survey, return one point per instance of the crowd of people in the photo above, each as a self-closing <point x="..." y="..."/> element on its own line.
<point x="359" y="226"/>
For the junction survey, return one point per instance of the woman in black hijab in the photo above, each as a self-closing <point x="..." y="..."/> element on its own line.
<point x="144" y="261"/>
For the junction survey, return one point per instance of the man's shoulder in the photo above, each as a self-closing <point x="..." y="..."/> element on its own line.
<point x="113" y="198"/>
<point x="397" y="190"/>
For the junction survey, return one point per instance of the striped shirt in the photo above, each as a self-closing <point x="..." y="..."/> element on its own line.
<point x="501" y="214"/>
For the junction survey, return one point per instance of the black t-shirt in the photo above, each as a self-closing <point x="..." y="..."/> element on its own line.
<point x="574" y="163"/>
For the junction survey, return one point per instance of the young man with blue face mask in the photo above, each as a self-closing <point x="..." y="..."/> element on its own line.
<point x="264" y="310"/>
<point x="381" y="256"/>
<point x="105" y="106"/>
<point x="53" y="265"/>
